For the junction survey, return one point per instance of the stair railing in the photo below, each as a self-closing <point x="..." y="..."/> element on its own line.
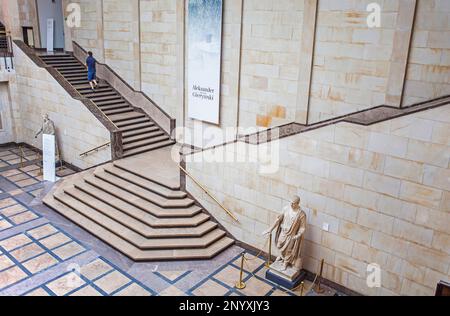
<point x="94" y="150"/>
<point x="208" y="193"/>
<point x="7" y="55"/>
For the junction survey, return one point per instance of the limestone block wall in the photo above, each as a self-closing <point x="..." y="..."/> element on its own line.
<point x="121" y="39"/>
<point x="272" y="32"/>
<point x="351" y="60"/>
<point x="159" y="49"/>
<point x="28" y="17"/>
<point x="384" y="190"/>
<point x="90" y="34"/>
<point x="282" y="61"/>
<point x="428" y="73"/>
<point x="34" y="92"/>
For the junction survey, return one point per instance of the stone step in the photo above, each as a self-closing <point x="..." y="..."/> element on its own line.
<point x="144" y="183"/>
<point x="113" y="98"/>
<point x="135" y="224"/>
<point x="134" y="238"/>
<point x="140" y="214"/>
<point x="98" y="90"/>
<point x="129" y="249"/>
<point x="77" y="82"/>
<point x="141" y="150"/>
<point x="114" y="107"/>
<point x="78" y="67"/>
<point x="88" y="87"/>
<point x="123" y="109"/>
<point x="63" y="63"/>
<point x="137" y="127"/>
<point x="146" y="142"/>
<point x="142" y="202"/>
<point x="96" y="94"/>
<point x="141" y="131"/>
<point x="127" y="117"/>
<point x="132" y="139"/>
<point x="106" y="103"/>
<point x="133" y="122"/>
<point x="154" y="178"/>
<point x="131" y="186"/>
<point x="75" y="71"/>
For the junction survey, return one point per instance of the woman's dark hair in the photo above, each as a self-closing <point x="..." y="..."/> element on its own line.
<point x="90" y="53"/>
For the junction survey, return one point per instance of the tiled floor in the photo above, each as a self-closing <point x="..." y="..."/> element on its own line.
<point x="43" y="254"/>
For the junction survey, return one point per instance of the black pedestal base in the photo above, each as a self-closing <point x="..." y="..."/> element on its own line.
<point x="285" y="282"/>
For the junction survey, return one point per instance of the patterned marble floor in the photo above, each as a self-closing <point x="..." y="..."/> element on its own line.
<point x="43" y="254"/>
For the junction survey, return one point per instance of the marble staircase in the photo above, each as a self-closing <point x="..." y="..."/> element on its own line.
<point x="139" y="132"/>
<point x="144" y="217"/>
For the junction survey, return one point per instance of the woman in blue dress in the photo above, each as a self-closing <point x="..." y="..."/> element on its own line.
<point x="90" y="64"/>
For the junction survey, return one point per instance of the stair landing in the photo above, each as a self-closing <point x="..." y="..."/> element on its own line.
<point x="136" y="206"/>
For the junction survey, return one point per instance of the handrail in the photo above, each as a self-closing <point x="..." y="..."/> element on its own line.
<point x="87" y="153"/>
<point x="209" y="193"/>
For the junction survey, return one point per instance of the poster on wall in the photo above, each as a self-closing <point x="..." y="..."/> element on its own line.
<point x="204" y="59"/>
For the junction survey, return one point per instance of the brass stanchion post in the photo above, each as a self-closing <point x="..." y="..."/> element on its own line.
<point x="269" y="262"/>
<point x="40" y="164"/>
<point x="22" y="154"/>
<point x="241" y="284"/>
<point x="318" y="289"/>
<point x="302" y="288"/>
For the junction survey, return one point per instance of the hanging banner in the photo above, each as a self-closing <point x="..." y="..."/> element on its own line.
<point x="48" y="155"/>
<point x="50" y="34"/>
<point x="204" y="59"/>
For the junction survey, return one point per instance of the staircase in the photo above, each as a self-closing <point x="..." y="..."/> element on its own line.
<point x="139" y="132"/>
<point x="3" y="39"/>
<point x="140" y="216"/>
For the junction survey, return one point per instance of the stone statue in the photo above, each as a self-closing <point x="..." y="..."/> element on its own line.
<point x="289" y="229"/>
<point x="48" y="127"/>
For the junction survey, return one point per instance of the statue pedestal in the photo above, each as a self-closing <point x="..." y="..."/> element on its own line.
<point x="289" y="278"/>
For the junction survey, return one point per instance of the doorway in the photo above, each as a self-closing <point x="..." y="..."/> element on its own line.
<point x="51" y="9"/>
<point x="28" y="36"/>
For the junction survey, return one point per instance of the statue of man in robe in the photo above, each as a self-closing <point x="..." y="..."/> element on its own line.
<point x="48" y="127"/>
<point x="289" y="230"/>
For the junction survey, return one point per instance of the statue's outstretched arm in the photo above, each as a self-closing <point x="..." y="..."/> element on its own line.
<point x="275" y="225"/>
<point x="40" y="131"/>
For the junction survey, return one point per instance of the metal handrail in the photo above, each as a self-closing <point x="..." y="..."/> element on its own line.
<point x="96" y="149"/>
<point x="209" y="193"/>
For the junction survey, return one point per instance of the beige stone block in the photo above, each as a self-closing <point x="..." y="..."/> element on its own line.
<point x="360" y="197"/>
<point x="432" y="278"/>
<point x="337" y="243"/>
<point x="413" y="232"/>
<point x="355" y="232"/>
<point x="389" y="244"/>
<point x="360" y="286"/>
<point x="437" y="177"/>
<point x="375" y="220"/>
<point x="397" y="208"/>
<point x="428" y="257"/>
<point x="433" y="154"/>
<point x="388" y="144"/>
<point x="413" y="272"/>
<point x="403" y="169"/>
<point x="390" y="281"/>
<point x="382" y="184"/>
<point x="410" y="288"/>
<point x="345" y="174"/>
<point x="420" y="194"/>
<point x="318" y="252"/>
<point x="350" y="265"/>
<point x="433" y="219"/>
<point x="369" y="254"/>
<point x="441" y="242"/>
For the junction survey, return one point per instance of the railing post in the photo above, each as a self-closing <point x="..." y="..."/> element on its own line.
<point x="116" y="145"/>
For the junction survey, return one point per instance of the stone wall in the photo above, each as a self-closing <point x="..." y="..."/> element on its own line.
<point x="383" y="190"/>
<point x="428" y="73"/>
<point x="270" y="62"/>
<point x="34" y="92"/>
